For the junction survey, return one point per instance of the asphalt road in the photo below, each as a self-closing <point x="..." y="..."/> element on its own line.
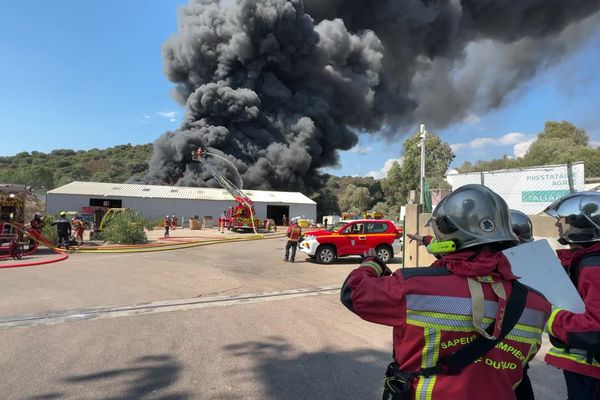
<point x="228" y="321"/>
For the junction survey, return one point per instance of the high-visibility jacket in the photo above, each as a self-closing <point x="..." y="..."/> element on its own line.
<point x="579" y="333"/>
<point x="430" y="310"/>
<point x="294" y="232"/>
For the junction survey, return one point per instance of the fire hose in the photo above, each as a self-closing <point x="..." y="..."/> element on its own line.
<point x="37" y="238"/>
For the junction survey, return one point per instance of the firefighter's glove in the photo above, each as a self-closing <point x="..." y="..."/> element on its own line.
<point x="377" y="265"/>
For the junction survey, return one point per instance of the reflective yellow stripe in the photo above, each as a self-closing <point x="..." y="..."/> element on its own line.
<point x="462" y="323"/>
<point x="463" y="306"/>
<point x="551" y="320"/>
<point x="578" y="358"/>
<point x="466" y="318"/>
<point x="429" y="358"/>
<point x="378" y="269"/>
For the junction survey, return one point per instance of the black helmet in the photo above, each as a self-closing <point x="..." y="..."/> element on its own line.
<point x="578" y="216"/>
<point x="472" y="215"/>
<point x="521" y="226"/>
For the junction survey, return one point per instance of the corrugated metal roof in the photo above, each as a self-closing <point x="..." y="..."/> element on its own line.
<point x="175" y="192"/>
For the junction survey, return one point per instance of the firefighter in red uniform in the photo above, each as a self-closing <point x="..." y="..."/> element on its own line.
<point x="293" y="233"/>
<point x="464" y="327"/>
<point x="576" y="337"/>
<point x="167" y="225"/>
<point x="79" y="228"/>
<point x="523" y="229"/>
<point x="173" y="222"/>
<point x="37" y="224"/>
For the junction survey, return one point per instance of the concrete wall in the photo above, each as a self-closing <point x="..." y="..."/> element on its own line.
<point x="544" y="227"/>
<point x="414" y="222"/>
<point x="154" y="209"/>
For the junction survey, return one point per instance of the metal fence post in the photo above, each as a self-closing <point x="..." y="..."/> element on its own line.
<point x="570" y="176"/>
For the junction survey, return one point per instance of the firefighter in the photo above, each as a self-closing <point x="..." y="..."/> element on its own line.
<point x="63" y="229"/>
<point x="576" y="337"/>
<point x="464" y="327"/>
<point x="523" y="228"/>
<point x="293" y="234"/>
<point x="173" y="222"/>
<point x="222" y="221"/>
<point x="79" y="228"/>
<point x="167" y="225"/>
<point x="37" y="225"/>
<point x="284" y="220"/>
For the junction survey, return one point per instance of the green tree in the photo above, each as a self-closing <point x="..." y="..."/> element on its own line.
<point x="438" y="156"/>
<point x="355" y="199"/>
<point x="39" y="177"/>
<point x="558" y="143"/>
<point x="327" y="202"/>
<point x="391" y="185"/>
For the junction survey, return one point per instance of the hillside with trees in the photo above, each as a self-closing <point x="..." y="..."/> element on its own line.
<point x="46" y="171"/>
<point x="559" y="143"/>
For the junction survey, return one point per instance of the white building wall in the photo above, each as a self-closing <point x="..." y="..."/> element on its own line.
<point x="65" y="202"/>
<point x="308" y="211"/>
<point x="153" y="209"/>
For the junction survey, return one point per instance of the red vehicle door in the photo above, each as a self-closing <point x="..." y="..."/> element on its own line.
<point x="354" y="240"/>
<point x="377" y="234"/>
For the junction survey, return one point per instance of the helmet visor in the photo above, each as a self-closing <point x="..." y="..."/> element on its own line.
<point x="578" y="217"/>
<point x="590" y="208"/>
<point x="564" y="207"/>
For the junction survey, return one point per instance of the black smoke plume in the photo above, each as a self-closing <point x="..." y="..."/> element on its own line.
<point x="279" y="87"/>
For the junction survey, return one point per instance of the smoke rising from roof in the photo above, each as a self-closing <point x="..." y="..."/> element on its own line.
<point x="279" y="87"/>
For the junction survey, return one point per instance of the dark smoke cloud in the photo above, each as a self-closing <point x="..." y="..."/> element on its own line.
<point x="278" y="87"/>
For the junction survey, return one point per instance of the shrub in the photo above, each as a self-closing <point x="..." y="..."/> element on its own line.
<point x="126" y="228"/>
<point x="48" y="230"/>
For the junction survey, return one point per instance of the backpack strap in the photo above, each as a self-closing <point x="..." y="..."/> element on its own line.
<point x="456" y="362"/>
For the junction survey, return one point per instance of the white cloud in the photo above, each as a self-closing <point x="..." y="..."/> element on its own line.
<point x="520" y="141"/>
<point x="361" y="149"/>
<point x="520" y="149"/>
<point x="594" y="143"/>
<point x="382" y="173"/>
<point x="170" y="115"/>
<point x="471" y="119"/>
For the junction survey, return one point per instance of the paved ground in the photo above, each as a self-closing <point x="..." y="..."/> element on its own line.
<point x="227" y="321"/>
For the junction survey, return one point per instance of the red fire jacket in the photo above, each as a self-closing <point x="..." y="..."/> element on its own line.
<point x="430" y="311"/>
<point x="579" y="332"/>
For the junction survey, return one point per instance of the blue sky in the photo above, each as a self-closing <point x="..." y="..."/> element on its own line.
<point x="85" y="74"/>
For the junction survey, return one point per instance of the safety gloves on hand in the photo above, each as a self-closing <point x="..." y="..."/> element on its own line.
<point x="377" y="265"/>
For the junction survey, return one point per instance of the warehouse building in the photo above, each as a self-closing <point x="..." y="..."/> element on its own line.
<point x="154" y="202"/>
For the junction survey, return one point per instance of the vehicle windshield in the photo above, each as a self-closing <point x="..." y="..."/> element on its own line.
<point x="336" y="227"/>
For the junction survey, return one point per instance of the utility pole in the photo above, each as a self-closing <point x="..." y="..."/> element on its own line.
<point x="422" y="146"/>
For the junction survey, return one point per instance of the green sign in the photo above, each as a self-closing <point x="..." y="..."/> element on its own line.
<point x="542" y="196"/>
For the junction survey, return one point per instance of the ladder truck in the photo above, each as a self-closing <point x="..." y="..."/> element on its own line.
<point x="241" y="216"/>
